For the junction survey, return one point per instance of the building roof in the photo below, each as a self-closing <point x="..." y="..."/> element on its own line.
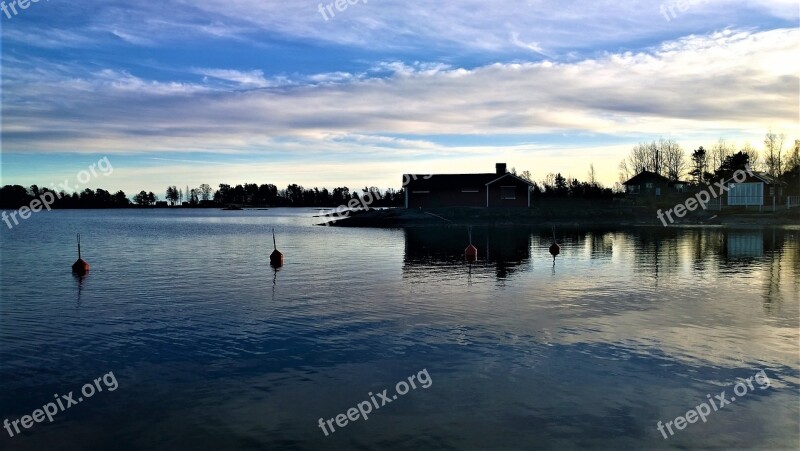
<point x="646" y="177"/>
<point x="768" y="179"/>
<point x="508" y="174"/>
<point x="455" y="181"/>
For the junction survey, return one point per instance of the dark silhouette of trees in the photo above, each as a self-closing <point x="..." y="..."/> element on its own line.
<point x="120" y="200"/>
<point x="561" y="189"/>
<point x="556" y="186"/>
<point x="173" y="194"/>
<point x="205" y="192"/>
<point x="250" y="194"/>
<point x="194" y="196"/>
<point x="731" y="164"/>
<point x="699" y="170"/>
<point x="16" y="196"/>
<point x="145" y="199"/>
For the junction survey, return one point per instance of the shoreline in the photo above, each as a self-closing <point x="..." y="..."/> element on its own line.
<point x="402" y="218"/>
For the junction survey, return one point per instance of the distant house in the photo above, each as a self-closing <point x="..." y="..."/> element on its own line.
<point x="679" y="186"/>
<point x="651" y="184"/>
<point x="756" y="189"/>
<point x="494" y="189"/>
<point x="647" y="184"/>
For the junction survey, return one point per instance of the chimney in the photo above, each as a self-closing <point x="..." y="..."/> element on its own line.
<point x="501" y="168"/>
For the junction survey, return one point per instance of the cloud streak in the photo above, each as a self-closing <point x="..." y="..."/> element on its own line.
<point x="671" y="88"/>
<point x="391" y="81"/>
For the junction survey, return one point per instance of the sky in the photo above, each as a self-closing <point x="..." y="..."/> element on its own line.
<point x="232" y="91"/>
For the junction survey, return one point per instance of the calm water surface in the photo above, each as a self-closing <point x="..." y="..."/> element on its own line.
<point x="212" y="349"/>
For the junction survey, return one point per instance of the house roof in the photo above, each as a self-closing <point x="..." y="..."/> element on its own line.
<point x="512" y="176"/>
<point x="453" y="181"/>
<point x="768" y="179"/>
<point x="645" y="177"/>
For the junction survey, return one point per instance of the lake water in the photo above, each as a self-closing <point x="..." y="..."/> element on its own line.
<point x="209" y="348"/>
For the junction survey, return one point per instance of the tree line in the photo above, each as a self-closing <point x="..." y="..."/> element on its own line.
<point x="558" y="186"/>
<point x="248" y="194"/>
<point x="667" y="158"/>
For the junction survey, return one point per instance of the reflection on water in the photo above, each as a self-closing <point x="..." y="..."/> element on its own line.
<point x="651" y="254"/>
<point x="747" y="243"/>
<point x="505" y="249"/>
<point x="214" y="349"/>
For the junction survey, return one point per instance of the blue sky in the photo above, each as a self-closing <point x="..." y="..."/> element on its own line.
<point x="234" y="91"/>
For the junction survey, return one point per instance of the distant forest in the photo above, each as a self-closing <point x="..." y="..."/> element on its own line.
<point x="665" y="157"/>
<point x="266" y="195"/>
<point x="249" y="194"/>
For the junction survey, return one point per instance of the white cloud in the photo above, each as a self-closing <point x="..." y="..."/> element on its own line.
<point x="247" y="79"/>
<point x="466" y="25"/>
<point x="532" y="46"/>
<point x="422" y="25"/>
<point x="728" y="82"/>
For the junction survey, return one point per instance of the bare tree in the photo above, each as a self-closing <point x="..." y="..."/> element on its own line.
<point x="643" y="158"/>
<point x="673" y="157"/>
<point x="755" y="158"/>
<point x="624" y="172"/>
<point x="793" y="159"/>
<point x="773" y="147"/>
<point x="719" y="152"/>
<point x="655" y="158"/>
<point x="549" y="180"/>
<point x="205" y="191"/>
<point x="664" y="157"/>
<point x="592" y="175"/>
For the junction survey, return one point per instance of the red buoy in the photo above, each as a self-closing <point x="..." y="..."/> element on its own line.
<point x="80" y="267"/>
<point x="276" y="258"/>
<point x="471" y="252"/>
<point x="555" y="249"/>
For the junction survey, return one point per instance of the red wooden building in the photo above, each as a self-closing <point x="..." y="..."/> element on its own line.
<point x="494" y="189"/>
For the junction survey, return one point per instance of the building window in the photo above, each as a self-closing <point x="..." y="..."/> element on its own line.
<point x="420" y="192"/>
<point x="633" y="189"/>
<point x="746" y="194"/>
<point x="470" y="190"/>
<point x="649" y="185"/>
<point x="508" y="192"/>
